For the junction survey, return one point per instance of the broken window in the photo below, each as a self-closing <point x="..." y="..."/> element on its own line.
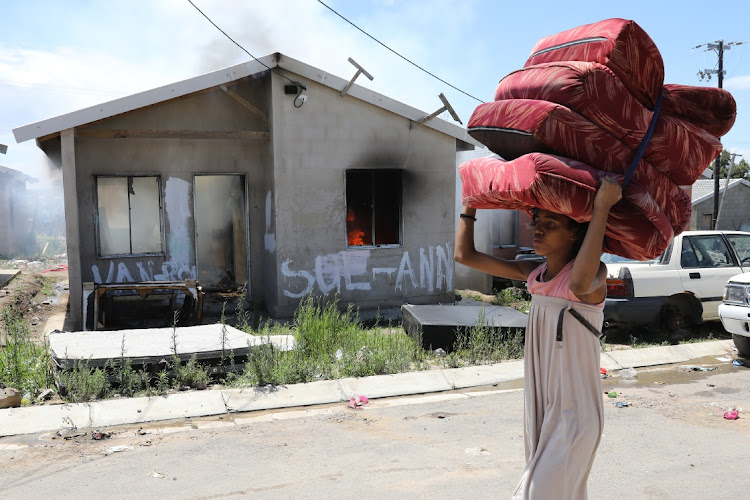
<point x="129" y="215"/>
<point x="373" y="207"/>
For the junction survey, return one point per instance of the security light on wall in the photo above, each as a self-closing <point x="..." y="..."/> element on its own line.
<point x="298" y="89"/>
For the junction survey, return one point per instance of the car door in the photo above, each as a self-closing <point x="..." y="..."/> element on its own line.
<point x="741" y="244"/>
<point x="706" y="263"/>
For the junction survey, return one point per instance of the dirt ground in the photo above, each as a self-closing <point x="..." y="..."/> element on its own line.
<point x="40" y="294"/>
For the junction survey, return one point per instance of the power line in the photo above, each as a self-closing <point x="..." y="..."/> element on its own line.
<point x="298" y="84"/>
<point x="399" y="55"/>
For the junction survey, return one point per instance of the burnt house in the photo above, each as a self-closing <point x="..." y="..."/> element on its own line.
<point x="272" y="173"/>
<point x="16" y="233"/>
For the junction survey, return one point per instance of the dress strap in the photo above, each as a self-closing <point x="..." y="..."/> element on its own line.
<point x="577" y="316"/>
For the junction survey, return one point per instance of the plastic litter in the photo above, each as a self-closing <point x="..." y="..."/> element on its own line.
<point x="621" y="404"/>
<point x="628" y="374"/>
<point x="99" y="435"/>
<point x="700" y="369"/>
<point x="155" y="474"/>
<point x="116" y="449"/>
<point x="612" y="394"/>
<point x="357" y="402"/>
<point x="732" y="414"/>
<point x="439" y="352"/>
<point x="603" y="371"/>
<point x="738" y="362"/>
<point x="339" y="354"/>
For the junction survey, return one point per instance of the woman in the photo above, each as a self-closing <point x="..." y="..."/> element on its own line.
<point x="563" y="406"/>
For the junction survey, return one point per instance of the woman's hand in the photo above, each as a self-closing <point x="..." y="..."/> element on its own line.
<point x="608" y="194"/>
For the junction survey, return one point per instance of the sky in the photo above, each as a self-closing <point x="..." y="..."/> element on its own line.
<point x="60" y="56"/>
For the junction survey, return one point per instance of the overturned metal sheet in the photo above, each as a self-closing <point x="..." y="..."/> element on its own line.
<point x="438" y="323"/>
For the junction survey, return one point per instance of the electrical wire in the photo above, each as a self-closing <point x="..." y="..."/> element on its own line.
<point x="399" y="55"/>
<point x="293" y="82"/>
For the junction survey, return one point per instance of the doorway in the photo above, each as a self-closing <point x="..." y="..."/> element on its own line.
<point x="220" y="232"/>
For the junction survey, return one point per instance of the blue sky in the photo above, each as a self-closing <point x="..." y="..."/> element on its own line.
<point x="60" y="56"/>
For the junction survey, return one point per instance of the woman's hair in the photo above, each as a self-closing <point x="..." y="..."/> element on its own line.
<point x="579" y="230"/>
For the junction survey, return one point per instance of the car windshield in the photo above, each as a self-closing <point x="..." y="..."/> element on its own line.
<point x="609" y="258"/>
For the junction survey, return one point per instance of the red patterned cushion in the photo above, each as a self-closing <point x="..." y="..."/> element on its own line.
<point x="678" y="149"/>
<point x="636" y="227"/>
<point x="619" y="44"/>
<point x="710" y="108"/>
<point x="516" y="127"/>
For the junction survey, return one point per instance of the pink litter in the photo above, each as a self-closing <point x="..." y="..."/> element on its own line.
<point x="732" y="414"/>
<point x="62" y="267"/>
<point x="358" y="401"/>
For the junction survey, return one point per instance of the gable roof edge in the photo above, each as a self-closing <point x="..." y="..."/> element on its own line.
<point x="141" y="99"/>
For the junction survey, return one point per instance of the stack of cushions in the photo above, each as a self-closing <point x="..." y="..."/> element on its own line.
<point x="579" y="109"/>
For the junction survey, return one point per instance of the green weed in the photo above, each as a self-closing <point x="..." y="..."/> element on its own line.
<point x="24" y="364"/>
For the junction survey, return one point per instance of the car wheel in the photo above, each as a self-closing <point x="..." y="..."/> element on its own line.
<point x="676" y="324"/>
<point x="673" y="319"/>
<point x="742" y="344"/>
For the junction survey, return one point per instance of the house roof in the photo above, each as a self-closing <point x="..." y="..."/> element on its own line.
<point x="17" y="175"/>
<point x="277" y="60"/>
<point x="703" y="189"/>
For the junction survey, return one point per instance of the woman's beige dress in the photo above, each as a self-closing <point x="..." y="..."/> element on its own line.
<point x="563" y="402"/>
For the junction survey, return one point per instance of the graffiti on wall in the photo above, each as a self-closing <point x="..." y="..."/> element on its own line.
<point x="121" y="273"/>
<point x="348" y="270"/>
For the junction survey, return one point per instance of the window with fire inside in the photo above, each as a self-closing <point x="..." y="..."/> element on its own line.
<point x="373" y="208"/>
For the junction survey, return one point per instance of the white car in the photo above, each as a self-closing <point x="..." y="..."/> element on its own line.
<point x="734" y="312"/>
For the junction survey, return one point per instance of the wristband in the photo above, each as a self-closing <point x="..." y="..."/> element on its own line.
<point x="467" y="216"/>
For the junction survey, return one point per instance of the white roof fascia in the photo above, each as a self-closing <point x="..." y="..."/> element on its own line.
<point x="374" y="98"/>
<point x="731" y="184"/>
<point x="226" y="75"/>
<point x="140" y="100"/>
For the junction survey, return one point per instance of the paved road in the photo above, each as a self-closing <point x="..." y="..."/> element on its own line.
<point x="672" y="442"/>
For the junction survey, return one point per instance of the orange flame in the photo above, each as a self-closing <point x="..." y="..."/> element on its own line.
<point x="355" y="236"/>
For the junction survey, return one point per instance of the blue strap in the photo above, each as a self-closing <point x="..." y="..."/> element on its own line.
<point x="644" y="143"/>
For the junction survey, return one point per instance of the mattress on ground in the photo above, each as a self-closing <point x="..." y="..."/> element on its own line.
<point x="679" y="149"/>
<point x="619" y="44"/>
<point x="636" y="227"/>
<point x="517" y="127"/>
<point x="710" y="108"/>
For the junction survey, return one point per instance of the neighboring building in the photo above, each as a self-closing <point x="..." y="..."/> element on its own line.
<point x="241" y="176"/>
<point x="734" y="213"/>
<point x="497" y="232"/>
<point x="16" y="233"/>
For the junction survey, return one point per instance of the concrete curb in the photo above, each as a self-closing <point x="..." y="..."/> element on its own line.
<point x="33" y="419"/>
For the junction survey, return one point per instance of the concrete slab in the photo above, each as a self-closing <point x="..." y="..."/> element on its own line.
<point x="606" y="361"/>
<point x="6" y="275"/>
<point x="264" y="398"/>
<point x="473" y="376"/>
<point x="438" y="324"/>
<point x="30" y="419"/>
<point x="150" y="345"/>
<point x="703" y="349"/>
<point x="399" y="384"/>
<point x="155" y="408"/>
<point x="648" y="356"/>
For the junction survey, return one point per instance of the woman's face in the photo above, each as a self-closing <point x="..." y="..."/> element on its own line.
<point x="552" y="234"/>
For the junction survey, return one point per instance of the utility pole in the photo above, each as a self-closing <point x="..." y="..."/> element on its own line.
<point x="719" y="46"/>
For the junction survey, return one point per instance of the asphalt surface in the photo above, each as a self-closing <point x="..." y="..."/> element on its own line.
<point x="671" y="441"/>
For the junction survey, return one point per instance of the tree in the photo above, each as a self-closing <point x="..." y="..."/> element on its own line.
<point x="741" y="168"/>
